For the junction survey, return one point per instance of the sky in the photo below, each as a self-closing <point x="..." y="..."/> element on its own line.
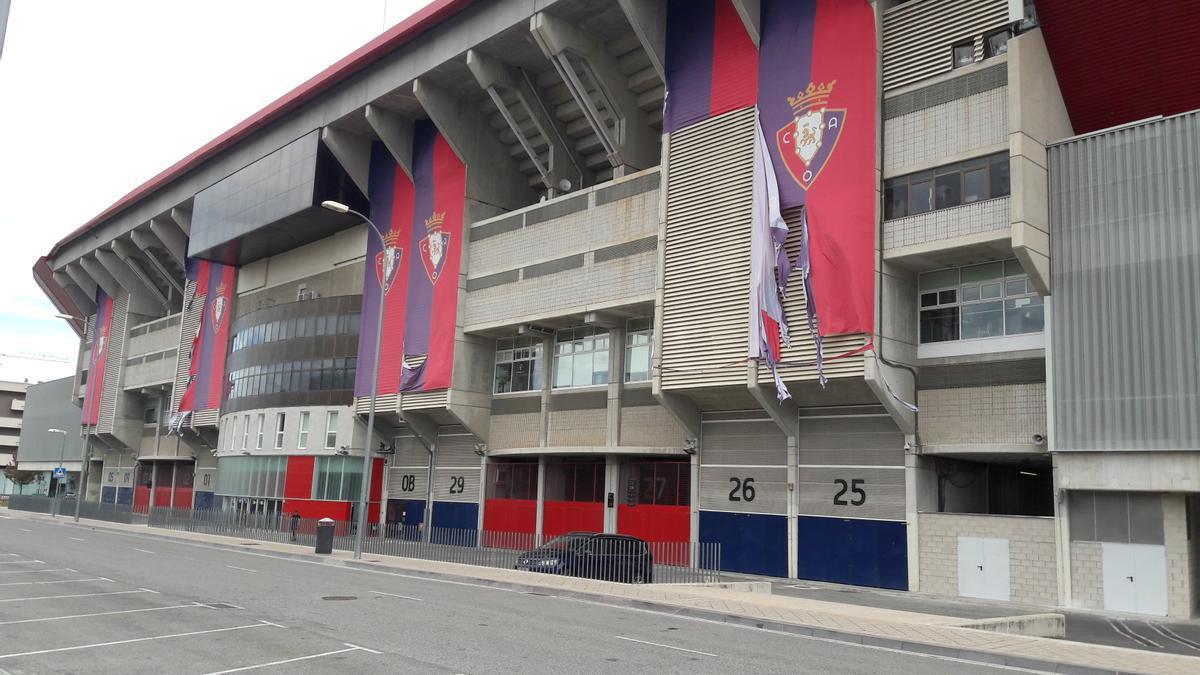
<point x="98" y="97"/>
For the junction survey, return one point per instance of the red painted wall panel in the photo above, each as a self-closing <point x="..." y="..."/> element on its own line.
<point x="162" y="498"/>
<point x="510" y="515"/>
<point x="299" y="479"/>
<point x="562" y="517"/>
<point x="183" y="498"/>
<point x="141" y="498"/>
<point x="311" y="508"/>
<point x="655" y="523"/>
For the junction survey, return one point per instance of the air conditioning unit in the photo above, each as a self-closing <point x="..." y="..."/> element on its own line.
<point x="306" y="294"/>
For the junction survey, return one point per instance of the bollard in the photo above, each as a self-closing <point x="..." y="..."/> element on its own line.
<point x="325" y="536"/>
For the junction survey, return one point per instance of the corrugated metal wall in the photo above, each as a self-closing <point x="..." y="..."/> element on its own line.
<point x="743" y="464"/>
<point x="918" y="35"/>
<point x="456" y="475"/>
<point x="1125" y="231"/>
<point x="851" y="463"/>
<point x="408" y="476"/>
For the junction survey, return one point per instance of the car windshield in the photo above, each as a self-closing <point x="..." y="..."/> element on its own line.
<point x="567" y="541"/>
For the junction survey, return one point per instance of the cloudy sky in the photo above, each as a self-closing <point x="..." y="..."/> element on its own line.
<point x="97" y="97"/>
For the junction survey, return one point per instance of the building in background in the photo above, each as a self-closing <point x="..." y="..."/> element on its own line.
<point x="12" y="408"/>
<point x="48" y="405"/>
<point x="565" y="272"/>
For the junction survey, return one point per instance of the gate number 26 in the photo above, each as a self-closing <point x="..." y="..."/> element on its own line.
<point x="743" y="487"/>
<point x="860" y="496"/>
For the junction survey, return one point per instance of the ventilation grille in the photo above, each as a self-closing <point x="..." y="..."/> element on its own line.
<point x="919" y="35"/>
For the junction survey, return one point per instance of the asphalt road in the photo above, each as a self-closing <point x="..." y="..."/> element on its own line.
<point x="1157" y="635"/>
<point x="76" y="600"/>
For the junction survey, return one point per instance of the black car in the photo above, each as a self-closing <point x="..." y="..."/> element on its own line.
<point x="611" y="557"/>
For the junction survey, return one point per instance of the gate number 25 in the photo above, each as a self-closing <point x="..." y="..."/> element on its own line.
<point x="853" y="487"/>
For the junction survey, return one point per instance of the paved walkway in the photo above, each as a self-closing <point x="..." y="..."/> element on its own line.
<point x="908" y="631"/>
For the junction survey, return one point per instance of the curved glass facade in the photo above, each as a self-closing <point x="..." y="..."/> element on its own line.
<point x="293" y="376"/>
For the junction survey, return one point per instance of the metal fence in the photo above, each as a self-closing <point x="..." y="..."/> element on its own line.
<point x="611" y="558"/>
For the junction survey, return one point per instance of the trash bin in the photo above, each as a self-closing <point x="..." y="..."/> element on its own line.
<point x="325" y="536"/>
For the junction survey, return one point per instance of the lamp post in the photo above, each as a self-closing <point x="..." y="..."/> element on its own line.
<point x="62" y="453"/>
<point x="365" y="489"/>
<point x="84" y="451"/>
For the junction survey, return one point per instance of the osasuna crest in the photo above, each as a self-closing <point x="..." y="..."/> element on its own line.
<point x="808" y="140"/>
<point x="101" y="343"/>
<point x="387" y="261"/>
<point x="219" y="305"/>
<point x="435" y="247"/>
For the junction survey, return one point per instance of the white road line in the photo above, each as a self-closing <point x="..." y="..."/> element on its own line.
<point x="84" y="616"/>
<point x="76" y="595"/>
<point x="57" y="581"/>
<point x="57" y="569"/>
<point x="132" y="640"/>
<point x="657" y="644"/>
<point x="76" y="539"/>
<point x="148" y="590"/>
<point x="349" y="648"/>
<point x="21" y="562"/>
<point x="1172" y="635"/>
<point x="271" y="624"/>
<point x="1137" y="634"/>
<point x="371" y="651"/>
<point x="142" y="550"/>
<point x="1123" y="629"/>
<point x="396" y="595"/>
<point x="24" y="529"/>
<point x="244" y="569"/>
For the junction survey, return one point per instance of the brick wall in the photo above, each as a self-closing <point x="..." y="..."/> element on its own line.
<point x="1008" y="414"/>
<point x="578" y="427"/>
<point x="991" y="215"/>
<point x="1179" y="567"/>
<point x="650" y="425"/>
<point x="1087" y="575"/>
<point x="925" y="137"/>
<point x="1032" y="571"/>
<point x="519" y="430"/>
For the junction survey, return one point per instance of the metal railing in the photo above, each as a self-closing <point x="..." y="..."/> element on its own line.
<point x="590" y="556"/>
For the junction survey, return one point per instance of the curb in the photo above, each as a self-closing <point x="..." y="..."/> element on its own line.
<point x="848" y="637"/>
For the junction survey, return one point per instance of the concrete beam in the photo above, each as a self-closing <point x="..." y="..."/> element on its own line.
<point x="783" y="413"/>
<point x="423" y="427"/>
<point x="172" y="236"/>
<point x="127" y="252"/>
<point x="182" y="218"/>
<point x="648" y="18"/>
<point x="141" y="300"/>
<point x="751" y="15"/>
<point x="147" y="241"/>
<point x="889" y="383"/>
<point x="82" y="279"/>
<point x="682" y="409"/>
<point x="492" y="176"/>
<point x="396" y="133"/>
<point x="563" y="162"/>
<point x="91" y="268"/>
<point x="631" y="143"/>
<point x="353" y="152"/>
<point x="85" y="303"/>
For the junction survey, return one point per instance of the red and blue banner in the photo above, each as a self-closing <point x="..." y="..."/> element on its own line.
<point x="210" y="345"/>
<point x="711" y="62"/>
<point x="99" y="359"/>
<point x="817" y="98"/>
<point x="414" y="271"/>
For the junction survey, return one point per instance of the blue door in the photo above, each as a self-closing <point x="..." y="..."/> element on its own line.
<point x="857" y="552"/>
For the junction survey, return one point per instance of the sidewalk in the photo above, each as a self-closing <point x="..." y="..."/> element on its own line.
<point x="906" y="631"/>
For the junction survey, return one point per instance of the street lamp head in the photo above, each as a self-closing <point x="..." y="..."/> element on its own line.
<point x="336" y="207"/>
<point x="57" y="431"/>
<point x="68" y="317"/>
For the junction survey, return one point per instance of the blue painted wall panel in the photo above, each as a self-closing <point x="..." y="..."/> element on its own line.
<point x="858" y="552"/>
<point x="108" y="494"/>
<point x="206" y="500"/>
<point x="455" y="516"/>
<point x="750" y="543"/>
<point x="125" y="496"/>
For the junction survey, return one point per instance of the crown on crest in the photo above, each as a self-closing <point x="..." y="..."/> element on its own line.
<point x="811" y="96"/>
<point x="390" y="238"/>
<point x="221" y="288"/>
<point x="434" y="221"/>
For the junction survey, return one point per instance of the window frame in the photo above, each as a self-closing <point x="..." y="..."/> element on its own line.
<point x="280" y="425"/>
<point x="969" y="44"/>
<point x="994" y="166"/>
<point x="634" y="327"/>
<point x="579" y="336"/>
<point x="245" y="432"/>
<point x="331" y="422"/>
<point x="302" y="439"/>
<point x="533" y="350"/>
<point x="960" y="302"/>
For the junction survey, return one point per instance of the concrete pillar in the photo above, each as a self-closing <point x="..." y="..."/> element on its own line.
<point x="616" y="384"/>
<point x="547" y="382"/>
<point x="612" y="486"/>
<point x="541" y="496"/>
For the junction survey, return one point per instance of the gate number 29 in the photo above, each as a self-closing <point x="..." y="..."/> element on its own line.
<point x="853" y="487"/>
<point x="742" y="490"/>
<point x="457" y="484"/>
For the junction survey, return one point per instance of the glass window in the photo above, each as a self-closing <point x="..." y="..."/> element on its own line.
<point x="993" y="299"/>
<point x="331" y="420"/>
<point x="895" y="200"/>
<point x="999" y="175"/>
<point x="258" y="440"/>
<point x="939" y="325"/>
<point x="245" y="432"/>
<point x="639" y="348"/>
<point x="302" y="441"/>
<point x="975" y="185"/>
<point x="581" y="357"/>
<point x="921" y="195"/>
<point x="280" y="420"/>
<point x="963" y="54"/>
<point x="996" y="43"/>
<point x="949" y="190"/>
<point x="955" y="184"/>
<point x="518" y="364"/>
<point x="338" y="478"/>
<point x="151" y="414"/>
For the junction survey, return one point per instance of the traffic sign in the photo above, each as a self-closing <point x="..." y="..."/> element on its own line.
<point x="60" y="472"/>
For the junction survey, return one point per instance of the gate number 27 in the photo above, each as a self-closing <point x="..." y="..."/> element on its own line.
<point x="853" y="487"/>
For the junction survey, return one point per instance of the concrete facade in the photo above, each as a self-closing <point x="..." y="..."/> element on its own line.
<point x="1032" y="564"/>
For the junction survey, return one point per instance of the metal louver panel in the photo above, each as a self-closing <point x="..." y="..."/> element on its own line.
<point x="422" y="400"/>
<point x="706" y="252"/>
<point x="188" y="323"/>
<point x="383" y="403"/>
<point x="919" y="36"/>
<point x="456" y="450"/>
<point x="114" y="364"/>
<point x="851" y="465"/>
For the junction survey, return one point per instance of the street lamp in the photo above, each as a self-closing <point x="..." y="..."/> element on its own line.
<point x="61" y="455"/>
<point x="365" y="488"/>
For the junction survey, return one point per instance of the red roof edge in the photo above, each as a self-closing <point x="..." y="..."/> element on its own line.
<point x="44" y="277"/>
<point x="423" y="20"/>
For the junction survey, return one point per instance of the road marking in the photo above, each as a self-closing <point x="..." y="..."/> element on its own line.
<point x="349" y="648"/>
<point x="148" y="590"/>
<point x="21" y="562"/>
<point x="76" y="539"/>
<point x="24" y="530"/>
<point x="657" y="644"/>
<point x="271" y="624"/>
<point x="83" y="616"/>
<point x="1172" y="635"/>
<point x="142" y="550"/>
<point x="77" y="595"/>
<point x="244" y="569"/>
<point x="396" y="595"/>
<point x="1123" y="629"/>
<point x="56" y="581"/>
<point x="262" y="624"/>
<point x="57" y="569"/>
